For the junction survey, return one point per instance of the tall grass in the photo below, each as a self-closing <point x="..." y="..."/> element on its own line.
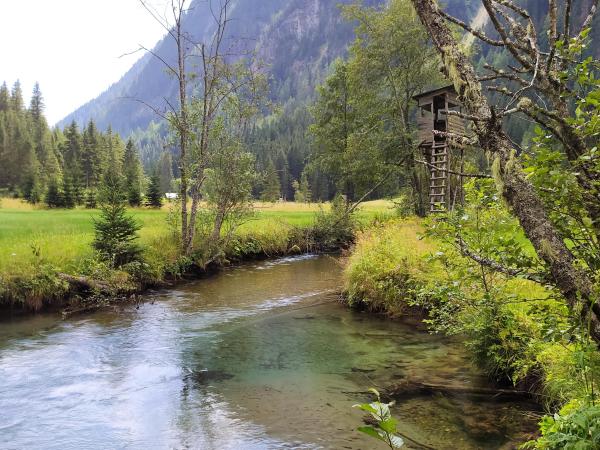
<point x="385" y="264"/>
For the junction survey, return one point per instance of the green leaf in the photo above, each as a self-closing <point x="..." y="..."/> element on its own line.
<point x="371" y="432"/>
<point x="366" y="407"/>
<point x="388" y="425"/>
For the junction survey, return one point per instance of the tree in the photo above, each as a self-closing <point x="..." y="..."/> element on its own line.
<point x="132" y="168"/>
<point x="363" y="133"/>
<point x="16" y="98"/>
<point x="91" y="200"/>
<point x="4" y="98"/>
<point x="92" y="157"/>
<point x="115" y="231"/>
<point x="220" y="78"/>
<point x="272" y="186"/>
<point x="53" y="197"/>
<point x="165" y="165"/>
<point x="334" y="120"/>
<point x="71" y="150"/>
<point x="36" y="105"/>
<point x="228" y="187"/>
<point x="68" y="199"/>
<point x="154" y="196"/>
<point x="550" y="75"/>
<point x="298" y="196"/>
<point x="304" y="188"/>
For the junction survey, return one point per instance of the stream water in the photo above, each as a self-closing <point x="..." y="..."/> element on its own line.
<point x="261" y="356"/>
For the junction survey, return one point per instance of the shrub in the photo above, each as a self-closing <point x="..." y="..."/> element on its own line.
<point x="576" y="427"/>
<point x="336" y="228"/>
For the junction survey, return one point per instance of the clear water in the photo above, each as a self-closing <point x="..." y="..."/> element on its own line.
<point x="259" y="357"/>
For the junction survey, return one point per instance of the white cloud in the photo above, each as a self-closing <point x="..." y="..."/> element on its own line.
<point x="72" y="47"/>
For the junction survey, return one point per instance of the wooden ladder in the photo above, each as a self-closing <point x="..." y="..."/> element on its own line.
<point x="439" y="177"/>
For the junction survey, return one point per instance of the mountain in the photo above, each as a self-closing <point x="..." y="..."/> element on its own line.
<point x="298" y="39"/>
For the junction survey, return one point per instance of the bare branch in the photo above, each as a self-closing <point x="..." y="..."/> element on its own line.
<point x="590" y="17"/>
<point x="156" y="111"/>
<point x="567" y="20"/>
<point x="471" y="30"/>
<point x="509" y="44"/>
<point x="158" y="20"/>
<point x="496" y="266"/>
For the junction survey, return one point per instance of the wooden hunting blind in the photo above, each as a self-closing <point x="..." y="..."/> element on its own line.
<point x="444" y="161"/>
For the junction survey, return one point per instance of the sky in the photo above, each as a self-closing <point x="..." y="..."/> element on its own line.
<point x="72" y="48"/>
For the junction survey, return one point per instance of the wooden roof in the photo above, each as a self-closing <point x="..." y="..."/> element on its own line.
<point x="433" y="92"/>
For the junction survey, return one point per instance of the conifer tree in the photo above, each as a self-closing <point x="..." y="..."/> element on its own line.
<point x="53" y="198"/>
<point x="68" y="194"/>
<point x="272" y="186"/>
<point x="165" y="165"/>
<point x="71" y="149"/>
<point x="304" y="188"/>
<point x="133" y="174"/>
<point x="4" y="98"/>
<point x="90" y="199"/>
<point x="36" y="105"/>
<point x="16" y="98"/>
<point x="153" y="194"/>
<point x="91" y="155"/>
<point x="115" y="231"/>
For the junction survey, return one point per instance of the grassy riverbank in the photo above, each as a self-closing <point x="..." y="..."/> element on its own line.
<point x="394" y="268"/>
<point x="36" y="244"/>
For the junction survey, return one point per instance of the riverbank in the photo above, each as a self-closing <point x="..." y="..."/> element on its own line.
<point x="396" y="269"/>
<point x="46" y="259"/>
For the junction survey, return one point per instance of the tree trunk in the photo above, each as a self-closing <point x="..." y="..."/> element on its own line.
<point x="216" y="233"/>
<point x="183" y="136"/>
<point x="520" y="195"/>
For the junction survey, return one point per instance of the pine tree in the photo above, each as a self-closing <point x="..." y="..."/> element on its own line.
<point x="304" y="188"/>
<point x="71" y="150"/>
<point x="16" y="98"/>
<point x="4" y="98"/>
<point x="133" y="174"/>
<point x="298" y="197"/>
<point x="32" y="191"/>
<point x="78" y="192"/>
<point x="153" y="194"/>
<point x="115" y="231"/>
<point x="36" y="105"/>
<point x="90" y="199"/>
<point x="53" y="198"/>
<point x="272" y="187"/>
<point x="91" y="156"/>
<point x="68" y="195"/>
<point x="165" y="165"/>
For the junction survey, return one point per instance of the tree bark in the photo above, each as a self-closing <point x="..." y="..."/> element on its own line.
<point x="520" y="195"/>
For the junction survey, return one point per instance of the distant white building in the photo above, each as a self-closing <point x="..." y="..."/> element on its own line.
<point x="171" y="196"/>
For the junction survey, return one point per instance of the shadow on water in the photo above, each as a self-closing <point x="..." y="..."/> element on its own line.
<point x="260" y="356"/>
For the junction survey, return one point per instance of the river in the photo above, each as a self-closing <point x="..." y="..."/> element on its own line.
<point x="260" y="356"/>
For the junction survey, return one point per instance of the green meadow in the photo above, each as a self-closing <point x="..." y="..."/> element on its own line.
<point x="63" y="237"/>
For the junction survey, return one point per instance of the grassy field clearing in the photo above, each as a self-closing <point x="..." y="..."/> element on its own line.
<point x="64" y="236"/>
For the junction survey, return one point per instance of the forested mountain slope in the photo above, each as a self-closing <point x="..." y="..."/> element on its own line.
<point x="298" y="39"/>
